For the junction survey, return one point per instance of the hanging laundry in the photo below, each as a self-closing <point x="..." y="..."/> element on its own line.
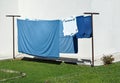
<point x="69" y="26"/>
<point x="61" y="34"/>
<point x="84" y="27"/>
<point x="88" y="26"/>
<point x="39" y="38"/>
<point x="68" y="44"/>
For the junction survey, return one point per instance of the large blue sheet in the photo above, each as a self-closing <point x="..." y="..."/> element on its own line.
<point x="84" y="27"/>
<point x="39" y="38"/>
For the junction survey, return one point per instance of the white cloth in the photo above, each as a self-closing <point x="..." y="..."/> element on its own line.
<point x="70" y="26"/>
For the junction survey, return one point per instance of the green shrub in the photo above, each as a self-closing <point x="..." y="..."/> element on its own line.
<point x="107" y="59"/>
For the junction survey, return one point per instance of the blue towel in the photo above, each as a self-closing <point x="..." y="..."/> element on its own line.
<point x="68" y="44"/>
<point x="39" y="38"/>
<point x="84" y="27"/>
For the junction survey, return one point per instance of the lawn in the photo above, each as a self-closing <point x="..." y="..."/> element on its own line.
<point x="53" y="72"/>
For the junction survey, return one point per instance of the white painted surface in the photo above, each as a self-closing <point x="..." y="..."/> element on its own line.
<point x="6" y="7"/>
<point x="52" y="9"/>
<point x="106" y="25"/>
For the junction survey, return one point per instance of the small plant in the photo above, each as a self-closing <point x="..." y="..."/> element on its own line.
<point x="107" y="59"/>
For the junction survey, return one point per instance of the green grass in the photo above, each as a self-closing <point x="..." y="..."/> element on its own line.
<point x="5" y="75"/>
<point x="45" y="72"/>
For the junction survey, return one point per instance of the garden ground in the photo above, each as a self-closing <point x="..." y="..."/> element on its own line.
<point x="40" y="71"/>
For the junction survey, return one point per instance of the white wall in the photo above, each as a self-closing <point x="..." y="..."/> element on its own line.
<point x="52" y="9"/>
<point x="106" y="25"/>
<point x="106" y="28"/>
<point x="6" y="7"/>
<point x="116" y="24"/>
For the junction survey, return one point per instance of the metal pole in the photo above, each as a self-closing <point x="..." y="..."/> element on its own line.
<point x="92" y="42"/>
<point x="92" y="39"/>
<point x="13" y="20"/>
<point x="13" y="40"/>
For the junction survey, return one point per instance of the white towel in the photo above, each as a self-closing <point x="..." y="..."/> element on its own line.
<point x="70" y="26"/>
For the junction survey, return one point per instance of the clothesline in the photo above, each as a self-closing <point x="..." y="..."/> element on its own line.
<point x="72" y="24"/>
<point x="48" y="38"/>
<point x="89" y="13"/>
